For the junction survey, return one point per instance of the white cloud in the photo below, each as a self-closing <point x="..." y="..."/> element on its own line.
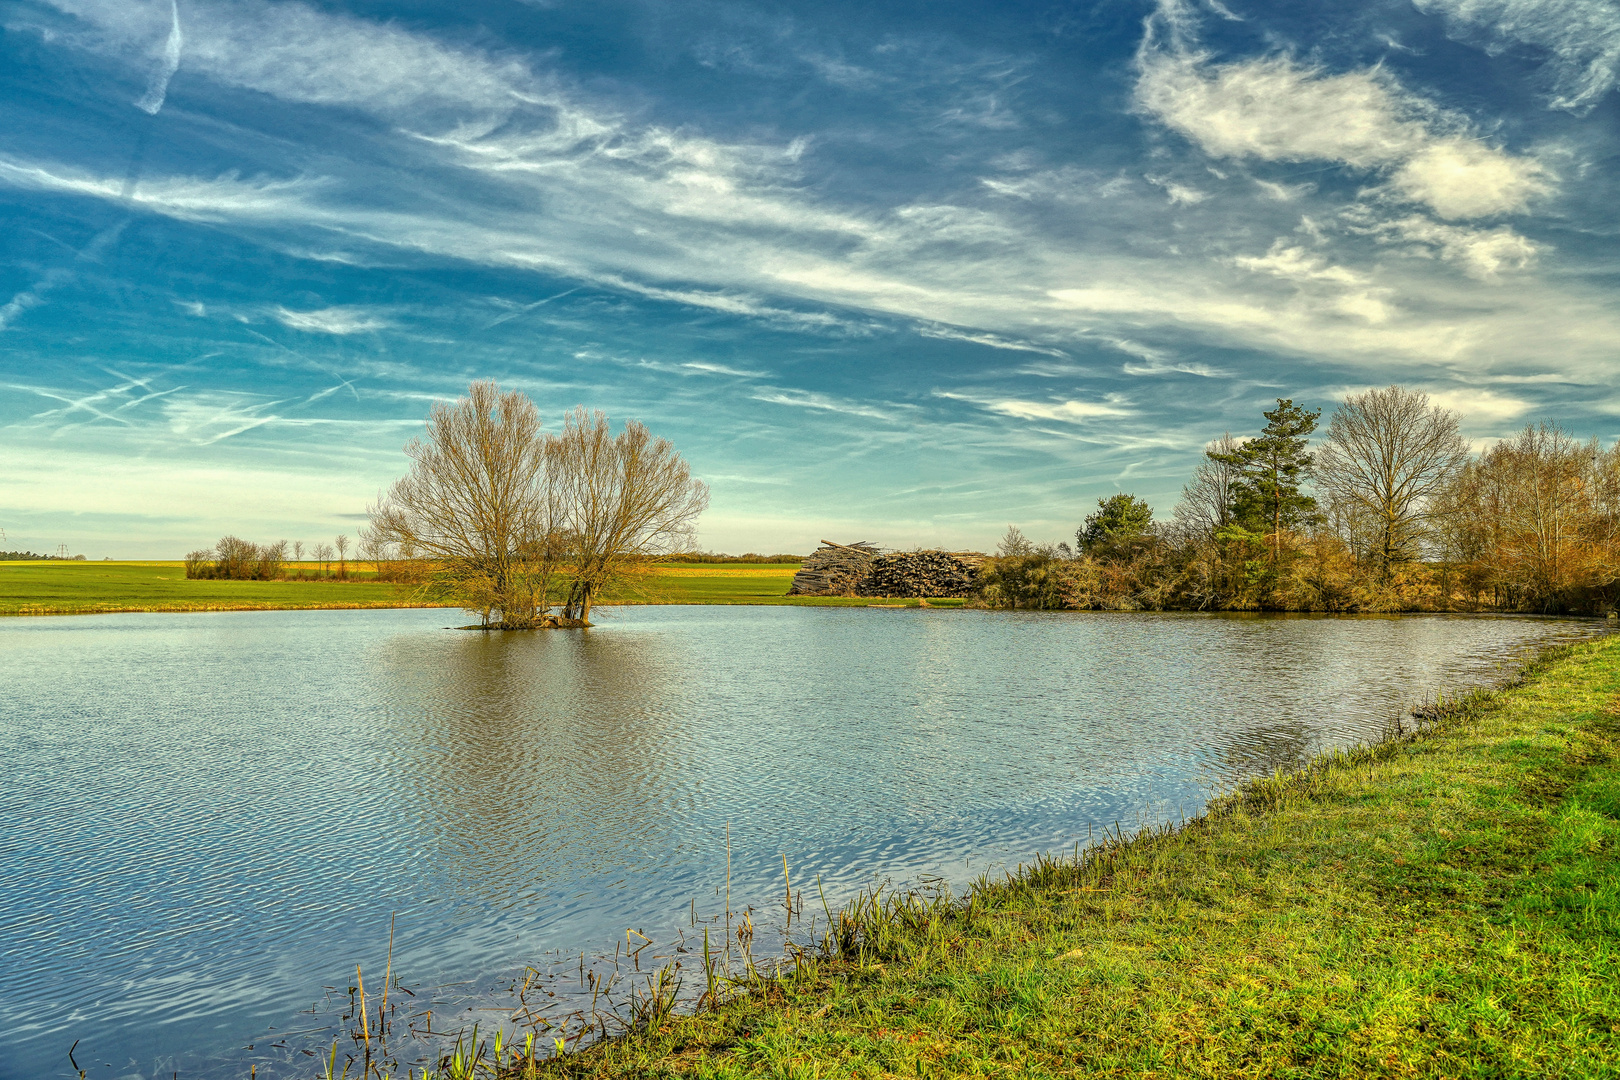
<point x="994" y="341"/>
<point x="1175" y="367"/>
<point x="1480" y="404"/>
<point x="158" y="88"/>
<point x="1274" y="109"/>
<point x="1180" y="194"/>
<point x="1582" y="38"/>
<point x="1483" y="253"/>
<point x="721" y="369"/>
<point x="1069" y="411"/>
<point x="341" y="320"/>
<point x="806" y="399"/>
<point x="1297" y="264"/>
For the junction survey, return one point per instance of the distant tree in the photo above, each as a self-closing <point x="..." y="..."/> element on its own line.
<point x="343" y="555"/>
<point x="1014" y="544"/>
<point x="1023" y="575"/>
<point x="1387" y="454"/>
<point x="1271" y="470"/>
<point x="1120" y="519"/>
<point x="235" y="559"/>
<point x="198" y="563"/>
<point x="323" y="555"/>
<point x="298" y="551"/>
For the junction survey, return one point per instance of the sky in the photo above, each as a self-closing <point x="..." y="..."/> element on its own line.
<point x="902" y="272"/>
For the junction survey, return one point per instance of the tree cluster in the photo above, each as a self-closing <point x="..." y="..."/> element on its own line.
<point x="235" y="559"/>
<point x="515" y="521"/>
<point x="1388" y="511"/>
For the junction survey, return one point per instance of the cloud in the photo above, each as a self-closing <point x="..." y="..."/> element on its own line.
<point x="1175" y="367"/>
<point x="1274" y="109"/>
<point x="1480" y="404"/>
<point x="158" y="89"/>
<point x="480" y="157"/>
<point x="721" y="369"/>
<point x="994" y="341"/>
<point x="807" y="399"/>
<point x="1297" y="264"/>
<point x="332" y="320"/>
<point x="1180" y="194"/>
<point x="1483" y="253"/>
<point x="1581" y="38"/>
<point x="1068" y="411"/>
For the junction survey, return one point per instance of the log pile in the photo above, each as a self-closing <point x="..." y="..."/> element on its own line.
<point x="834" y="570"/>
<point x="862" y="570"/>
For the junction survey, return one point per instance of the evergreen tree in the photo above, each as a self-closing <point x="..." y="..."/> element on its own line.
<point x="1271" y="467"/>
<point x="1119" y="517"/>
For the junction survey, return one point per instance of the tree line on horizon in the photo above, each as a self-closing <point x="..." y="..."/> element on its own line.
<point x="1389" y="511"/>
<point x="235" y="559"/>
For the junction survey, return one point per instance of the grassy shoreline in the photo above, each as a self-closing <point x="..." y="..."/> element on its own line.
<point x="1444" y="906"/>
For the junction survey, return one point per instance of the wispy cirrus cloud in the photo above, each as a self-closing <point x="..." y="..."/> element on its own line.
<point x="341" y="320"/>
<point x="1070" y="410"/>
<point x="1581" y="39"/>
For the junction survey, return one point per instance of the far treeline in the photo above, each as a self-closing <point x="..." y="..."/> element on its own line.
<point x="1388" y="511"/>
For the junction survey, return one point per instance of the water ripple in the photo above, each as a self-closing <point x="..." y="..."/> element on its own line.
<point x="208" y="818"/>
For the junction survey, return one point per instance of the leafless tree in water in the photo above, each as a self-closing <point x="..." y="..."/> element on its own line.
<point x="516" y="520"/>
<point x="624" y="501"/>
<point x="1387" y="455"/>
<point x="477" y="503"/>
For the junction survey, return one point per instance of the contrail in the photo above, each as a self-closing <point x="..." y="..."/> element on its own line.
<point x="158" y="88"/>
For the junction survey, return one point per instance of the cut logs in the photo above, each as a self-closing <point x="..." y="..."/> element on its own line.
<point x="863" y="570"/>
<point x="834" y="569"/>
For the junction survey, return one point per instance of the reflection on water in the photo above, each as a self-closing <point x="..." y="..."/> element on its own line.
<point x="211" y="817"/>
<point x="511" y="746"/>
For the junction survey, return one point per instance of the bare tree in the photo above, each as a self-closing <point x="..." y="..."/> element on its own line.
<point x="1387" y="454"/>
<point x="343" y="555"/>
<point x="478" y="504"/>
<point x="323" y="555"/>
<point x="1206" y="501"/>
<point x="298" y="551"/>
<point x="624" y="500"/>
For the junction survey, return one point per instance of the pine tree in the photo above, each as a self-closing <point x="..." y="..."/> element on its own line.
<point x="1119" y="518"/>
<point x="1271" y="467"/>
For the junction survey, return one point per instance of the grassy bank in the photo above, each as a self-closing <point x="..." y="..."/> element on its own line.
<point x="1443" y="907"/>
<point x="82" y="588"/>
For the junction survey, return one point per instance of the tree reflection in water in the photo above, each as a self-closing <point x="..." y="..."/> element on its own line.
<point x="529" y="757"/>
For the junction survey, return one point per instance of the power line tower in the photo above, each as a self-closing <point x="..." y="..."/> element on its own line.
<point x="61" y="551"/>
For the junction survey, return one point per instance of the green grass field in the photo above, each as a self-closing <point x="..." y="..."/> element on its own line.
<point x="82" y="588"/>
<point x="1443" y="907"/>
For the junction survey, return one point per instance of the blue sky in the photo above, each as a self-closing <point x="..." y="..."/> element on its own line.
<point x="903" y="272"/>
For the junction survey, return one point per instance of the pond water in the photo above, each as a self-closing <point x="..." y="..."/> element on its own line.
<point x="210" y="818"/>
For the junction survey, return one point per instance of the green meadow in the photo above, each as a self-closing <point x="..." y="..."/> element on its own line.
<point x="1445" y="906"/>
<point x="83" y="588"/>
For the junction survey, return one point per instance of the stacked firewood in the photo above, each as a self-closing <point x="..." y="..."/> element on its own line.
<point x="862" y="570"/>
<point x="834" y="570"/>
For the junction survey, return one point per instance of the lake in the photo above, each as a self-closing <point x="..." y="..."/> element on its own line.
<point x="209" y="819"/>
